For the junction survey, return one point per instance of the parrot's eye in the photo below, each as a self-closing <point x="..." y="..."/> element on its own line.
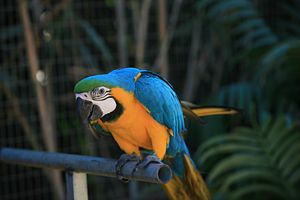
<point x="99" y="92"/>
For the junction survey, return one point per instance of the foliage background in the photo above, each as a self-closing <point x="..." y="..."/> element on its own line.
<point x="239" y="53"/>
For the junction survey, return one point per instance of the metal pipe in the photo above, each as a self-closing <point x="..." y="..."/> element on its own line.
<point x="153" y="173"/>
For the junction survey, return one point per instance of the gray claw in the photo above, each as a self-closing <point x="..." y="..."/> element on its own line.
<point x="125" y="158"/>
<point x="145" y="162"/>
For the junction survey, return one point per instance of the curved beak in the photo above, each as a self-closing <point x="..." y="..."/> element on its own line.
<point x="88" y="111"/>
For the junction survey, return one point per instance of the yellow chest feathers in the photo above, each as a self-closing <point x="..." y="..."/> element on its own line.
<point x="135" y="127"/>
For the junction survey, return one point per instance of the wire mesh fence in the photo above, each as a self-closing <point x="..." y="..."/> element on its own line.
<point x="70" y="40"/>
<point x="235" y="53"/>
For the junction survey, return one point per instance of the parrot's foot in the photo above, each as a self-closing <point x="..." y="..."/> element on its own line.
<point x="125" y="158"/>
<point x="146" y="161"/>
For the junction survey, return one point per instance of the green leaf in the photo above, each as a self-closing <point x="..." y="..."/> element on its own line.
<point x="221" y="140"/>
<point x="278" y="126"/>
<point x="228" y="148"/>
<point x="244" y="176"/>
<point x="284" y="146"/>
<point x="238" y="94"/>
<point x="266" y="41"/>
<point x="226" y="6"/>
<point x="278" y="136"/>
<point x="271" y="161"/>
<point x="275" y="56"/>
<point x="271" y="190"/>
<point x="244" y="131"/>
<point x="290" y="153"/>
<point x="236" y="162"/>
<point x="254" y="35"/>
<point x="293" y="164"/>
<point x="267" y="124"/>
<point x="295" y="177"/>
<point x="204" y="3"/>
<point x="249" y="25"/>
<point x="239" y="16"/>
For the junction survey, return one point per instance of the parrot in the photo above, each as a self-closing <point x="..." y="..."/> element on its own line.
<point x="142" y="112"/>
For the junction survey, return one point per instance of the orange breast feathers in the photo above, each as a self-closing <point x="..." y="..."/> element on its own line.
<point x="136" y="128"/>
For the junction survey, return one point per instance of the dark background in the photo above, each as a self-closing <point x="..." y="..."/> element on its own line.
<point x="238" y="53"/>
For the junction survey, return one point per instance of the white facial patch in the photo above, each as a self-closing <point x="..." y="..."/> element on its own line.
<point x="107" y="104"/>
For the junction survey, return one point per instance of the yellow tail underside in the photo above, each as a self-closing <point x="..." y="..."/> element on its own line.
<point x="191" y="187"/>
<point x="213" y="111"/>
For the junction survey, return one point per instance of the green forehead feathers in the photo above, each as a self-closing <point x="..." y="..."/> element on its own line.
<point x="124" y="78"/>
<point x="86" y="85"/>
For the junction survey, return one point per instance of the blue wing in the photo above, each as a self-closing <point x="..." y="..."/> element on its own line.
<point x="157" y="95"/>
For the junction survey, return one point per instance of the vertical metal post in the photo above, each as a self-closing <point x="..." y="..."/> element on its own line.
<point x="76" y="186"/>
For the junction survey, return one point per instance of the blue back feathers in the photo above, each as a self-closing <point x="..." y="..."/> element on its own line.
<point x="157" y="95"/>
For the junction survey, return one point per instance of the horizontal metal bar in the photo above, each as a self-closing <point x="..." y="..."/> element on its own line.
<point x="154" y="172"/>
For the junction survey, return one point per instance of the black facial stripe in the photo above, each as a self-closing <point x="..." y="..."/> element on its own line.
<point x="110" y="117"/>
<point x="101" y="98"/>
<point x="107" y="97"/>
<point x="106" y="94"/>
<point x="96" y="92"/>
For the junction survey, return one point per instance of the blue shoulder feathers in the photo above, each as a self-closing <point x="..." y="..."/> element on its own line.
<point x="157" y="95"/>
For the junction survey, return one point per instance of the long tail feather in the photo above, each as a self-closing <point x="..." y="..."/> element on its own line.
<point x="207" y="111"/>
<point x="193" y="110"/>
<point x="190" y="187"/>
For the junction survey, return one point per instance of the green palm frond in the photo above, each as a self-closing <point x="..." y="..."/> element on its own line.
<point x="241" y="20"/>
<point x="279" y="73"/>
<point x="254" y="163"/>
<point x="240" y="95"/>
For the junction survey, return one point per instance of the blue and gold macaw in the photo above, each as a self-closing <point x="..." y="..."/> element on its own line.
<point x="142" y="112"/>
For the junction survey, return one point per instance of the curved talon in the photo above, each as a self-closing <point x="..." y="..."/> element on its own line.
<point x="124" y="158"/>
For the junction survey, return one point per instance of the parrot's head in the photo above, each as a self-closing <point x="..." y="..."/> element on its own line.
<point x="94" y="96"/>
